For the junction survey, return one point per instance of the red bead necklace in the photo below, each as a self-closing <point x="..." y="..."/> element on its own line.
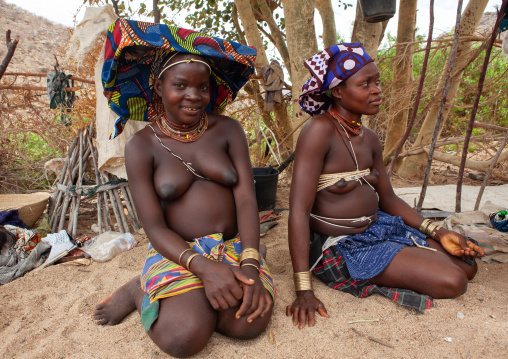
<point x="352" y="126"/>
<point x="183" y="133"/>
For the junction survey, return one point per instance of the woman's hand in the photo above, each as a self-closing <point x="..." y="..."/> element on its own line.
<point x="256" y="299"/>
<point x="223" y="283"/>
<point x="304" y="309"/>
<point x="457" y="245"/>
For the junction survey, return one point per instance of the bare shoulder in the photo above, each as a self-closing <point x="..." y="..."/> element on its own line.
<point x="371" y="137"/>
<point x="318" y="130"/>
<point x="141" y="140"/>
<point x="225" y="127"/>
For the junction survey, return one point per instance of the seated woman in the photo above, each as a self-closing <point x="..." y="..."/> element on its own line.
<point x="363" y="238"/>
<point x="192" y="184"/>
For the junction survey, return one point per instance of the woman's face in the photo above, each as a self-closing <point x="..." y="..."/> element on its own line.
<point x="361" y="94"/>
<point x="184" y="90"/>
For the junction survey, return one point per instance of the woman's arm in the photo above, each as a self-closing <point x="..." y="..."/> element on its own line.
<point x="311" y="149"/>
<point x="256" y="300"/>
<point x="454" y="243"/>
<point x="140" y="165"/>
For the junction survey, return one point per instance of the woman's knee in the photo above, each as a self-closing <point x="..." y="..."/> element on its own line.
<point x="182" y="341"/>
<point x="471" y="270"/>
<point x="452" y="284"/>
<point x="240" y="329"/>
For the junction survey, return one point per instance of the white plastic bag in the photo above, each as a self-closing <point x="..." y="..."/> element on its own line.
<point x="109" y="244"/>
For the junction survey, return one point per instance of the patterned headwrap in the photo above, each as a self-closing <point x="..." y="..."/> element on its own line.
<point x="328" y="69"/>
<point x="135" y="51"/>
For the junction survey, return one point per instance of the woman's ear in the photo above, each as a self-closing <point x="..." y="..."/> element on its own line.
<point x="157" y="86"/>
<point x="336" y="92"/>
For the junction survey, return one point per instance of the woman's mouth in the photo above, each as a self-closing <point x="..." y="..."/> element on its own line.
<point x="377" y="102"/>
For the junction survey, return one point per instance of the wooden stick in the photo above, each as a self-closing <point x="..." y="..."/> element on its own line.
<point x="133" y="206"/>
<point x="437" y="127"/>
<point x="487" y="175"/>
<point x="79" y="79"/>
<point x="115" y="208"/>
<point x="80" y="182"/>
<point x="36" y="88"/>
<point x="418" y="92"/>
<point x="469" y="130"/>
<point x="97" y="181"/>
<point x="379" y="341"/>
<point x="62" y="178"/>
<point x="11" y="47"/>
<point x="120" y="207"/>
<point x="130" y="215"/>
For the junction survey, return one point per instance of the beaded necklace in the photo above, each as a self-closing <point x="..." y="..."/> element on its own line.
<point x="352" y="126"/>
<point x="181" y="133"/>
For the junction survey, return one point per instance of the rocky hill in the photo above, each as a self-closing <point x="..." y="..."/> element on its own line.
<point x="39" y="39"/>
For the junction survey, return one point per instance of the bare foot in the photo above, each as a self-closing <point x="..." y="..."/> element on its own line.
<point x="115" y="307"/>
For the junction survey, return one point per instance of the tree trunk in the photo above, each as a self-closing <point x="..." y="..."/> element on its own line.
<point x="369" y="34"/>
<point x="252" y="34"/>
<point x="328" y="18"/>
<point x="414" y="166"/>
<point x="402" y="75"/>
<point x="277" y="35"/>
<point x="302" y="44"/>
<point x="281" y="125"/>
<point x="156" y="12"/>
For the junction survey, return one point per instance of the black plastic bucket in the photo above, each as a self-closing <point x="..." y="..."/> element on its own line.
<point x="265" y="179"/>
<point x="377" y="10"/>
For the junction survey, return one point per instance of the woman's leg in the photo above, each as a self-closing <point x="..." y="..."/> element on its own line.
<point x="425" y="272"/>
<point x="470" y="270"/>
<point x="228" y="325"/>
<point x="184" y="325"/>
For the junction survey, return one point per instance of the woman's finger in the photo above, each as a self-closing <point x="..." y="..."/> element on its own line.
<point x="242" y="277"/>
<point x="257" y="312"/>
<point x="322" y="311"/>
<point x="296" y="312"/>
<point x="268" y="305"/>
<point x="302" y="318"/>
<point x="476" y="248"/>
<point x="289" y="310"/>
<point x="311" y="316"/>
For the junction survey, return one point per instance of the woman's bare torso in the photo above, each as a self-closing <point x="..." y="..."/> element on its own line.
<point x="346" y="199"/>
<point x="194" y="207"/>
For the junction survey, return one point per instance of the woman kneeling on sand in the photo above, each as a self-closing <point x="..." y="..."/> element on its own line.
<point x="192" y="185"/>
<point x="346" y="223"/>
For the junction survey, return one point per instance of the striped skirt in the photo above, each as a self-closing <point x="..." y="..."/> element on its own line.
<point x="162" y="278"/>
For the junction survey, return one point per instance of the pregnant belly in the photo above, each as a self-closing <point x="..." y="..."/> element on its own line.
<point x="347" y="213"/>
<point x="206" y="208"/>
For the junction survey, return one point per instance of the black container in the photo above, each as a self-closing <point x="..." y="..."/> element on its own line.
<point x="378" y="10"/>
<point x="265" y="179"/>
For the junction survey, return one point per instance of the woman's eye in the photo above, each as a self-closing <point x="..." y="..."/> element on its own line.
<point x="365" y="84"/>
<point x="178" y="84"/>
<point x="378" y="82"/>
<point x="205" y="88"/>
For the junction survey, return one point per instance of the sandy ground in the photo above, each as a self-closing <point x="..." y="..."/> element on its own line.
<point x="48" y="315"/>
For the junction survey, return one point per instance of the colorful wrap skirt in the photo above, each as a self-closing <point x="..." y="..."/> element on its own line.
<point x="162" y="278"/>
<point x="347" y="262"/>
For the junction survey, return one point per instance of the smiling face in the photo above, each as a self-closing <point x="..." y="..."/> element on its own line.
<point x="360" y="94"/>
<point x="184" y="90"/>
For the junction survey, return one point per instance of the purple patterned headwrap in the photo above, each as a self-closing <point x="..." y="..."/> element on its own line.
<point x="328" y="69"/>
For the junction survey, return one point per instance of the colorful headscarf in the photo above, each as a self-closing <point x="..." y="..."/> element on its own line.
<point x="133" y="47"/>
<point x="328" y="69"/>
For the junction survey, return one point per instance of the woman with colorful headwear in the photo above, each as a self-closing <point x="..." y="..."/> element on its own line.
<point x="346" y="224"/>
<point x="192" y="184"/>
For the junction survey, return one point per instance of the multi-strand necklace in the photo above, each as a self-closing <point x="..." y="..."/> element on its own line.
<point x="352" y="126"/>
<point x="181" y="133"/>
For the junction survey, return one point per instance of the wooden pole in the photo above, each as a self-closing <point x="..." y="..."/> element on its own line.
<point x="475" y="108"/>
<point x="453" y="54"/>
<point x="418" y="93"/>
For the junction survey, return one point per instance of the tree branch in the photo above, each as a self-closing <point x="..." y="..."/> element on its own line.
<point x="11" y="47"/>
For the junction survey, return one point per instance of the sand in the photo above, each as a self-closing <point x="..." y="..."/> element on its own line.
<point x="48" y="315"/>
